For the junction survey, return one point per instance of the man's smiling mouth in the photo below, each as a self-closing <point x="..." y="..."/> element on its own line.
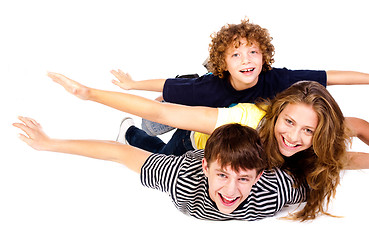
<point x="228" y="201"/>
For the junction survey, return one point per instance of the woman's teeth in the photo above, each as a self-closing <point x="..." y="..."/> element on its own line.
<point x="288" y="143"/>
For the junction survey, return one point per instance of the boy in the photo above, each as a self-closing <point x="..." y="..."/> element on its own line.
<point x="240" y="60"/>
<point x="225" y="181"/>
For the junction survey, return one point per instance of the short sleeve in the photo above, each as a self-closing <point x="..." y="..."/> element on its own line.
<point x="288" y="193"/>
<point x="283" y="78"/>
<point x="207" y="90"/>
<point x="179" y="90"/>
<point x="308" y="75"/>
<point x="160" y="172"/>
<point x="247" y="114"/>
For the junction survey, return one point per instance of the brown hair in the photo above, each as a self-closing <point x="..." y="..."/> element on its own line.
<point x="231" y="34"/>
<point x="236" y="146"/>
<point x="320" y="165"/>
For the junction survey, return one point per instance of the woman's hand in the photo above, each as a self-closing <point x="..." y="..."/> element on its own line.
<point x="70" y="85"/>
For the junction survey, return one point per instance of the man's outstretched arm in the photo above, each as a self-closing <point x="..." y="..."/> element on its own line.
<point x="34" y="136"/>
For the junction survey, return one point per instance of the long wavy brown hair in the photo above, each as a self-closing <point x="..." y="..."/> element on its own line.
<point x="319" y="166"/>
<point x="229" y="36"/>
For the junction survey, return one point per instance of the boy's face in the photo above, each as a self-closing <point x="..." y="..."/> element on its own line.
<point x="244" y="64"/>
<point x="227" y="188"/>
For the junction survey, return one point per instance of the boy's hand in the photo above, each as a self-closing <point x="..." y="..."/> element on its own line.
<point x="71" y="86"/>
<point x="35" y="137"/>
<point x="125" y="81"/>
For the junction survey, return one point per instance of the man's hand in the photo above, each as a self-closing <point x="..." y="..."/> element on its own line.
<point x="71" y="86"/>
<point x="34" y="135"/>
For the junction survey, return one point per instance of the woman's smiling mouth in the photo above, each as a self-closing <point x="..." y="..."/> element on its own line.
<point x="288" y="144"/>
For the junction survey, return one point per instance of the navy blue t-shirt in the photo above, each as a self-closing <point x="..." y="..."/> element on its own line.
<point x="212" y="91"/>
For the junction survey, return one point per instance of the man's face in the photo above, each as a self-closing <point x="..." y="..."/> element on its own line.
<point x="227" y="188"/>
<point x="244" y="64"/>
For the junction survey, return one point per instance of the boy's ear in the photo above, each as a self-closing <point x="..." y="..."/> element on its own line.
<point x="258" y="176"/>
<point x="205" y="167"/>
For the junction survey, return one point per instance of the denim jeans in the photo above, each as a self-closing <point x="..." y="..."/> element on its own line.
<point x="154" y="128"/>
<point x="179" y="144"/>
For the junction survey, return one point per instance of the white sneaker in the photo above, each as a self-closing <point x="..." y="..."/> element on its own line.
<point x="124" y="125"/>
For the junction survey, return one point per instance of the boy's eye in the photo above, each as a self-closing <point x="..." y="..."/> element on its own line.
<point x="244" y="179"/>
<point x="221" y="175"/>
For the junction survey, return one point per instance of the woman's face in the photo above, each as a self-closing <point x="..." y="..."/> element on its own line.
<point x="295" y="128"/>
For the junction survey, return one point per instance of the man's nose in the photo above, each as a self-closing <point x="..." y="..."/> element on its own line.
<point x="230" y="188"/>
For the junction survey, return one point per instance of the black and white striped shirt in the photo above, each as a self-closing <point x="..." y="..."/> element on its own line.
<point x="183" y="179"/>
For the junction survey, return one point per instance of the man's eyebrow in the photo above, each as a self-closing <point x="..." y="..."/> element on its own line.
<point x="246" y="176"/>
<point x="221" y="170"/>
<point x="241" y="176"/>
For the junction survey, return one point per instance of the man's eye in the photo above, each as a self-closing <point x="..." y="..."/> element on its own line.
<point x="244" y="179"/>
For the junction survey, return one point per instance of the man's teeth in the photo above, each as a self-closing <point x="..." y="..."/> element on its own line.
<point x="229" y="199"/>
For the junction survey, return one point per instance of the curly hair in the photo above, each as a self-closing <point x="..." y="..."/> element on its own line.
<point x="230" y="35"/>
<point x="319" y="166"/>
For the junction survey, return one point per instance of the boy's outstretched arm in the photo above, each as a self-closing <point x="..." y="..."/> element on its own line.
<point x="126" y="82"/>
<point x="346" y="78"/>
<point x="34" y="136"/>
<point x="201" y="119"/>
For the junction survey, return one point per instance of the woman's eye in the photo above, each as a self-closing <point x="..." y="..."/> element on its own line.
<point x="289" y="122"/>
<point x="236" y="55"/>
<point x="309" y="131"/>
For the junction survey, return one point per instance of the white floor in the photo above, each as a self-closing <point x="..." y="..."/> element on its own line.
<point x="54" y="196"/>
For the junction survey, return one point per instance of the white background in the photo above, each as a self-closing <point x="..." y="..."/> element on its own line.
<point x="54" y="196"/>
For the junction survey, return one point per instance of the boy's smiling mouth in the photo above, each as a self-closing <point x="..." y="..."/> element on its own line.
<point x="227" y="201"/>
<point x="246" y="70"/>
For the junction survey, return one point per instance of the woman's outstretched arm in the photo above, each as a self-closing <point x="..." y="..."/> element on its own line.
<point x="201" y="119"/>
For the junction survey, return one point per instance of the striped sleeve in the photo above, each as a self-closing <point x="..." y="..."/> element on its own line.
<point x="288" y="193"/>
<point x="161" y="172"/>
